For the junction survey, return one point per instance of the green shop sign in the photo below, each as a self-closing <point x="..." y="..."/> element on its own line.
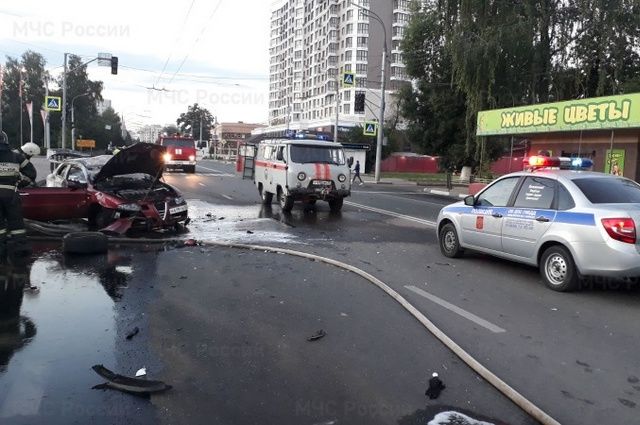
<point x="599" y="113"/>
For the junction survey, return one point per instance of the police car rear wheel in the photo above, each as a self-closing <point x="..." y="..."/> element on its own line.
<point x="558" y="269"/>
<point x="449" y="242"/>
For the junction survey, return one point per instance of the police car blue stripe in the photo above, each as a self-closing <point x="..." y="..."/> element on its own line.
<point x="583" y="219"/>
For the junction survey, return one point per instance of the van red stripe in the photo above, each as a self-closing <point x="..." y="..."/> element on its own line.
<point x="327" y="172"/>
<point x="318" y="172"/>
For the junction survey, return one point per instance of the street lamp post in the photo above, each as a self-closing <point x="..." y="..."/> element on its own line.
<point x="383" y="89"/>
<point x="21" y="103"/>
<point x="73" y="120"/>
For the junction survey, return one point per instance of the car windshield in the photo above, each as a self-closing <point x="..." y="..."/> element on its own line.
<point x="317" y="154"/>
<point x="609" y="190"/>
<point x="178" y="143"/>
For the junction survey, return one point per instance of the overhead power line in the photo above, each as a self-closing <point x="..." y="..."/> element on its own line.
<point x="195" y="43"/>
<point x="175" y="42"/>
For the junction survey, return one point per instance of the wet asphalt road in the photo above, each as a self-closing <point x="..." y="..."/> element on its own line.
<point x="575" y="355"/>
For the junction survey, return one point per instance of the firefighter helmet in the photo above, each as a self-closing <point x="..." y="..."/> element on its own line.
<point x="30" y="149"/>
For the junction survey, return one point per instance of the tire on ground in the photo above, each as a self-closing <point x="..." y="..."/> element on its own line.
<point x="267" y="197"/>
<point x="335" y="205"/>
<point x="558" y="270"/>
<point x="85" y="243"/>
<point x="449" y="241"/>
<point x="286" y="202"/>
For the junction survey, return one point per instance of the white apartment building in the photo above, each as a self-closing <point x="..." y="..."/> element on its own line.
<point x="149" y="133"/>
<point x="313" y="43"/>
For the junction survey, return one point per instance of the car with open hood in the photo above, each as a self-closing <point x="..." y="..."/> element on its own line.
<point x="113" y="192"/>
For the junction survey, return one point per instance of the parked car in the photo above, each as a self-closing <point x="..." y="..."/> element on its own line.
<point x="569" y="223"/>
<point x="113" y="192"/>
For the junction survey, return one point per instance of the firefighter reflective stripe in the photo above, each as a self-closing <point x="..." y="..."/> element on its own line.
<point x="24" y="163"/>
<point x="6" y="186"/>
<point x="3" y="232"/>
<point x="7" y="167"/>
<point x="18" y="232"/>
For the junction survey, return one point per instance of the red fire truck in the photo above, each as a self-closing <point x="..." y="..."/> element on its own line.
<point x="181" y="152"/>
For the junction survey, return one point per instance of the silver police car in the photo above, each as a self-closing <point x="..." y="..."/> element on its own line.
<point x="569" y="223"/>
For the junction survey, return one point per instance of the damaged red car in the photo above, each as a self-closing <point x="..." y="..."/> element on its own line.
<point x="114" y="193"/>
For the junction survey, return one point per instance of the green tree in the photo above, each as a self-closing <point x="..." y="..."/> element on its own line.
<point x="30" y="69"/>
<point x="189" y="122"/>
<point x="468" y="55"/>
<point x="86" y="94"/>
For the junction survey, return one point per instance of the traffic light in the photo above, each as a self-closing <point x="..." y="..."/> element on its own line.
<point x="114" y="65"/>
<point x="359" y="103"/>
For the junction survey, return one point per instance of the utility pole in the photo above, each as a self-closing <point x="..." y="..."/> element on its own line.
<point x="1" y="87"/>
<point x="64" y="102"/>
<point x="21" y="106"/>
<point x="381" y="119"/>
<point x="47" y="136"/>
<point x="200" y="141"/>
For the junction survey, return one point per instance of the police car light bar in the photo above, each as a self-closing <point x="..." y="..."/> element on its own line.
<point x="557" y="162"/>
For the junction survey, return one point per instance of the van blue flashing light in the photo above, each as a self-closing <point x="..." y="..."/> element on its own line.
<point x="308" y="135"/>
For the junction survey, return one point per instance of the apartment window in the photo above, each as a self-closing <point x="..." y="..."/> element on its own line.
<point x="346" y="108"/>
<point x="363" y="41"/>
<point x="348" y="55"/>
<point x="349" y="28"/>
<point x="346" y="95"/>
<point x="347" y="67"/>
<point x="362" y="55"/>
<point x="363" y="28"/>
<point x="361" y="68"/>
<point x="349" y="42"/>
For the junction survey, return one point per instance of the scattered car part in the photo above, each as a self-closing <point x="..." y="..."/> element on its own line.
<point x="435" y="387"/>
<point x="135" y="331"/>
<point x="127" y="384"/>
<point x="118" y="227"/>
<point x="141" y="372"/>
<point x="318" y="335"/>
<point x="85" y="243"/>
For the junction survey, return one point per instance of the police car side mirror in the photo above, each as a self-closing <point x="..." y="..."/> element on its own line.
<point x="470" y="201"/>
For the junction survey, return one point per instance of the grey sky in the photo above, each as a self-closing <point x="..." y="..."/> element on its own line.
<point x="216" y="51"/>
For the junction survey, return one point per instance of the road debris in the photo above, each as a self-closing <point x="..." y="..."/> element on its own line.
<point x="141" y="372"/>
<point x="249" y="232"/>
<point x="127" y="384"/>
<point x="135" y="331"/>
<point x="435" y="387"/>
<point x="31" y="289"/>
<point x="318" y="335"/>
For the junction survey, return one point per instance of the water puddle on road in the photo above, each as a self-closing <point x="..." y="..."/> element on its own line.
<point x="57" y="319"/>
<point x="446" y="415"/>
<point x="241" y="224"/>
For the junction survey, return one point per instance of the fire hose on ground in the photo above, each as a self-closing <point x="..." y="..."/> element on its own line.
<point x="101" y="242"/>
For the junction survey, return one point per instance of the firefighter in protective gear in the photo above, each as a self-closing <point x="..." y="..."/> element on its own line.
<point x="14" y="166"/>
<point x="29" y="150"/>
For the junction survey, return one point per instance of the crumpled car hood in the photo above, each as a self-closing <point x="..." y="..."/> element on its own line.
<point x="143" y="158"/>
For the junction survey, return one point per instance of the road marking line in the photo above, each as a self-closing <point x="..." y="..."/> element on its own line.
<point x="464" y="313"/>
<point x="393" y="214"/>
<point x="439" y="192"/>
<point x="220" y="173"/>
<point x="201" y="184"/>
<point x="226" y="196"/>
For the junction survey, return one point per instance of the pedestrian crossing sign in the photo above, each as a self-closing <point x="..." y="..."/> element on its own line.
<point x="348" y="80"/>
<point x="370" y="129"/>
<point x="53" y="103"/>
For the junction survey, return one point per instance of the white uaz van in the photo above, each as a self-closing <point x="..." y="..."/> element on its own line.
<point x="302" y="170"/>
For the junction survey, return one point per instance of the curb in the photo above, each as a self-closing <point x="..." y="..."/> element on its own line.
<point x="446" y="193"/>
